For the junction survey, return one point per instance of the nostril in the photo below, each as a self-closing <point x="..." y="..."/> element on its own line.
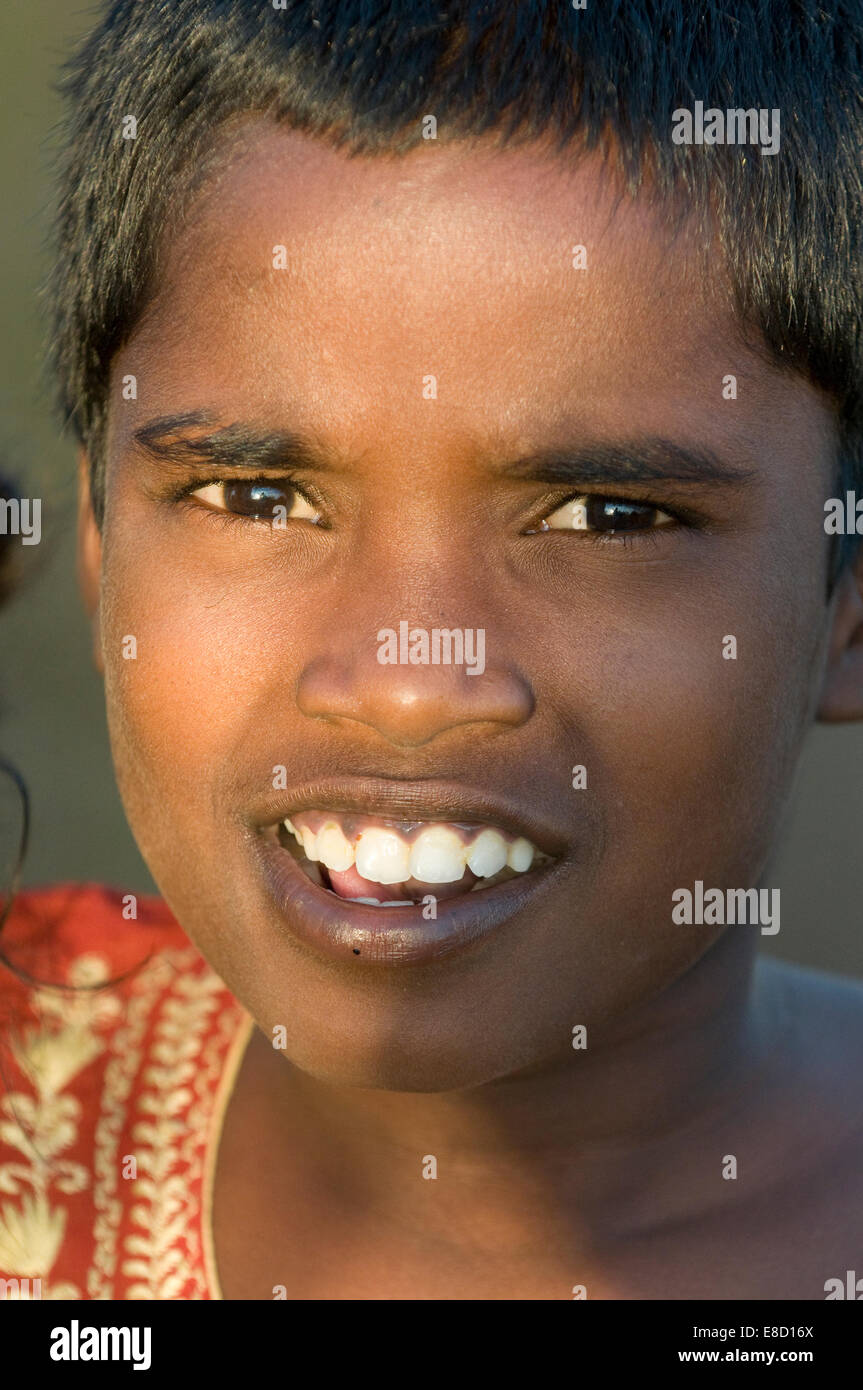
<point x="411" y="704"/>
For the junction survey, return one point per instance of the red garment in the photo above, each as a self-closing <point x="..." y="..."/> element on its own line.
<point x="111" y="1100"/>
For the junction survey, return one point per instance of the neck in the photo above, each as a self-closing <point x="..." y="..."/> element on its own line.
<point x="583" y="1131"/>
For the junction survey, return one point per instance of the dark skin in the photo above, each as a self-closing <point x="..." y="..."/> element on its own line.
<point x="556" y="1167"/>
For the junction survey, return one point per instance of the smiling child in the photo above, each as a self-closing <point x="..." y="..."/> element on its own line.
<point x="381" y="322"/>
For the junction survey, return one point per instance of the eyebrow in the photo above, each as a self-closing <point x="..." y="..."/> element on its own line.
<point x="238" y="445"/>
<point x="642" y="459"/>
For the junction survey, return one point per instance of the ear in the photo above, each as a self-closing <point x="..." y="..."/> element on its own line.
<point x="842" y="687"/>
<point x="89" y="557"/>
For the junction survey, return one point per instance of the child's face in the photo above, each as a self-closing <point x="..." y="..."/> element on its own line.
<point x="257" y="647"/>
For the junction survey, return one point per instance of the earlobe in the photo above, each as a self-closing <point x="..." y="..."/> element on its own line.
<point x="89" y="557"/>
<point x="842" y="689"/>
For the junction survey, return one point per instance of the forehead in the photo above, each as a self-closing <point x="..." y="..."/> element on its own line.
<point x="332" y="286"/>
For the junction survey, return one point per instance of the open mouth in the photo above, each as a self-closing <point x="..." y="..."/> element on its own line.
<point x="391" y="875"/>
<point x="394" y="863"/>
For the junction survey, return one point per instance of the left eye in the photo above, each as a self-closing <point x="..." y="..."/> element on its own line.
<point x="258" y="500"/>
<point x="595" y="513"/>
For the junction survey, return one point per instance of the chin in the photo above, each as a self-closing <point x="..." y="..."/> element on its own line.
<point x="404" y="1058"/>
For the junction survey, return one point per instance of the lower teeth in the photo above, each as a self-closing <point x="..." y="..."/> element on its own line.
<point x="491" y="882"/>
<point x="397" y="902"/>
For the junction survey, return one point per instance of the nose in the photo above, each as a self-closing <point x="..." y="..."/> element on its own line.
<point x="410" y="702"/>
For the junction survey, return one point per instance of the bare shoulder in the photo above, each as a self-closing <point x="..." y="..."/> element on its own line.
<point x="799" y="1222"/>
<point x="823" y="1043"/>
<point x="829" y="1004"/>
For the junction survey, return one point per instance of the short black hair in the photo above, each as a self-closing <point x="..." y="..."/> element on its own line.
<point x="364" y="73"/>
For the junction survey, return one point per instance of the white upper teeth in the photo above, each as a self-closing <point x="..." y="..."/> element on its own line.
<point x="383" y="856"/>
<point x="487" y="854"/>
<point x="334" y="849"/>
<point x="438" y="854"/>
<point x="310" y="844"/>
<point x="520" y="855"/>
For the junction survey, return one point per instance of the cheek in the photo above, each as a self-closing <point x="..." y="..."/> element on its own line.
<point x="208" y="691"/>
<point x="694" y="714"/>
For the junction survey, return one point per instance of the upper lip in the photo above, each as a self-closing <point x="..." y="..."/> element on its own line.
<point x="412" y="801"/>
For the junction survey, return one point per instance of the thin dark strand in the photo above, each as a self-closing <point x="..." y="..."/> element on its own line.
<point x="14" y="887"/>
<point x="13" y="774"/>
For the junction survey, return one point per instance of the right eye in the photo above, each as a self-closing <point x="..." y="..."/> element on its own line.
<point x="605" y="515"/>
<point x="257" y="499"/>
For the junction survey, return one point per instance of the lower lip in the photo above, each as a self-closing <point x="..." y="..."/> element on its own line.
<point x="347" y="931"/>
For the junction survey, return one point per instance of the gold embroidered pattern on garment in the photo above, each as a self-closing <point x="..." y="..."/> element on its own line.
<point x="43" y="1125"/>
<point x="162" y="1256"/>
<point x="120" y="1073"/>
<point x="176" y="995"/>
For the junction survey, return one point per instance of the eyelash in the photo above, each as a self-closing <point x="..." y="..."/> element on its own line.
<point x="680" y="517"/>
<point x="649" y="536"/>
<point x="183" y="496"/>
